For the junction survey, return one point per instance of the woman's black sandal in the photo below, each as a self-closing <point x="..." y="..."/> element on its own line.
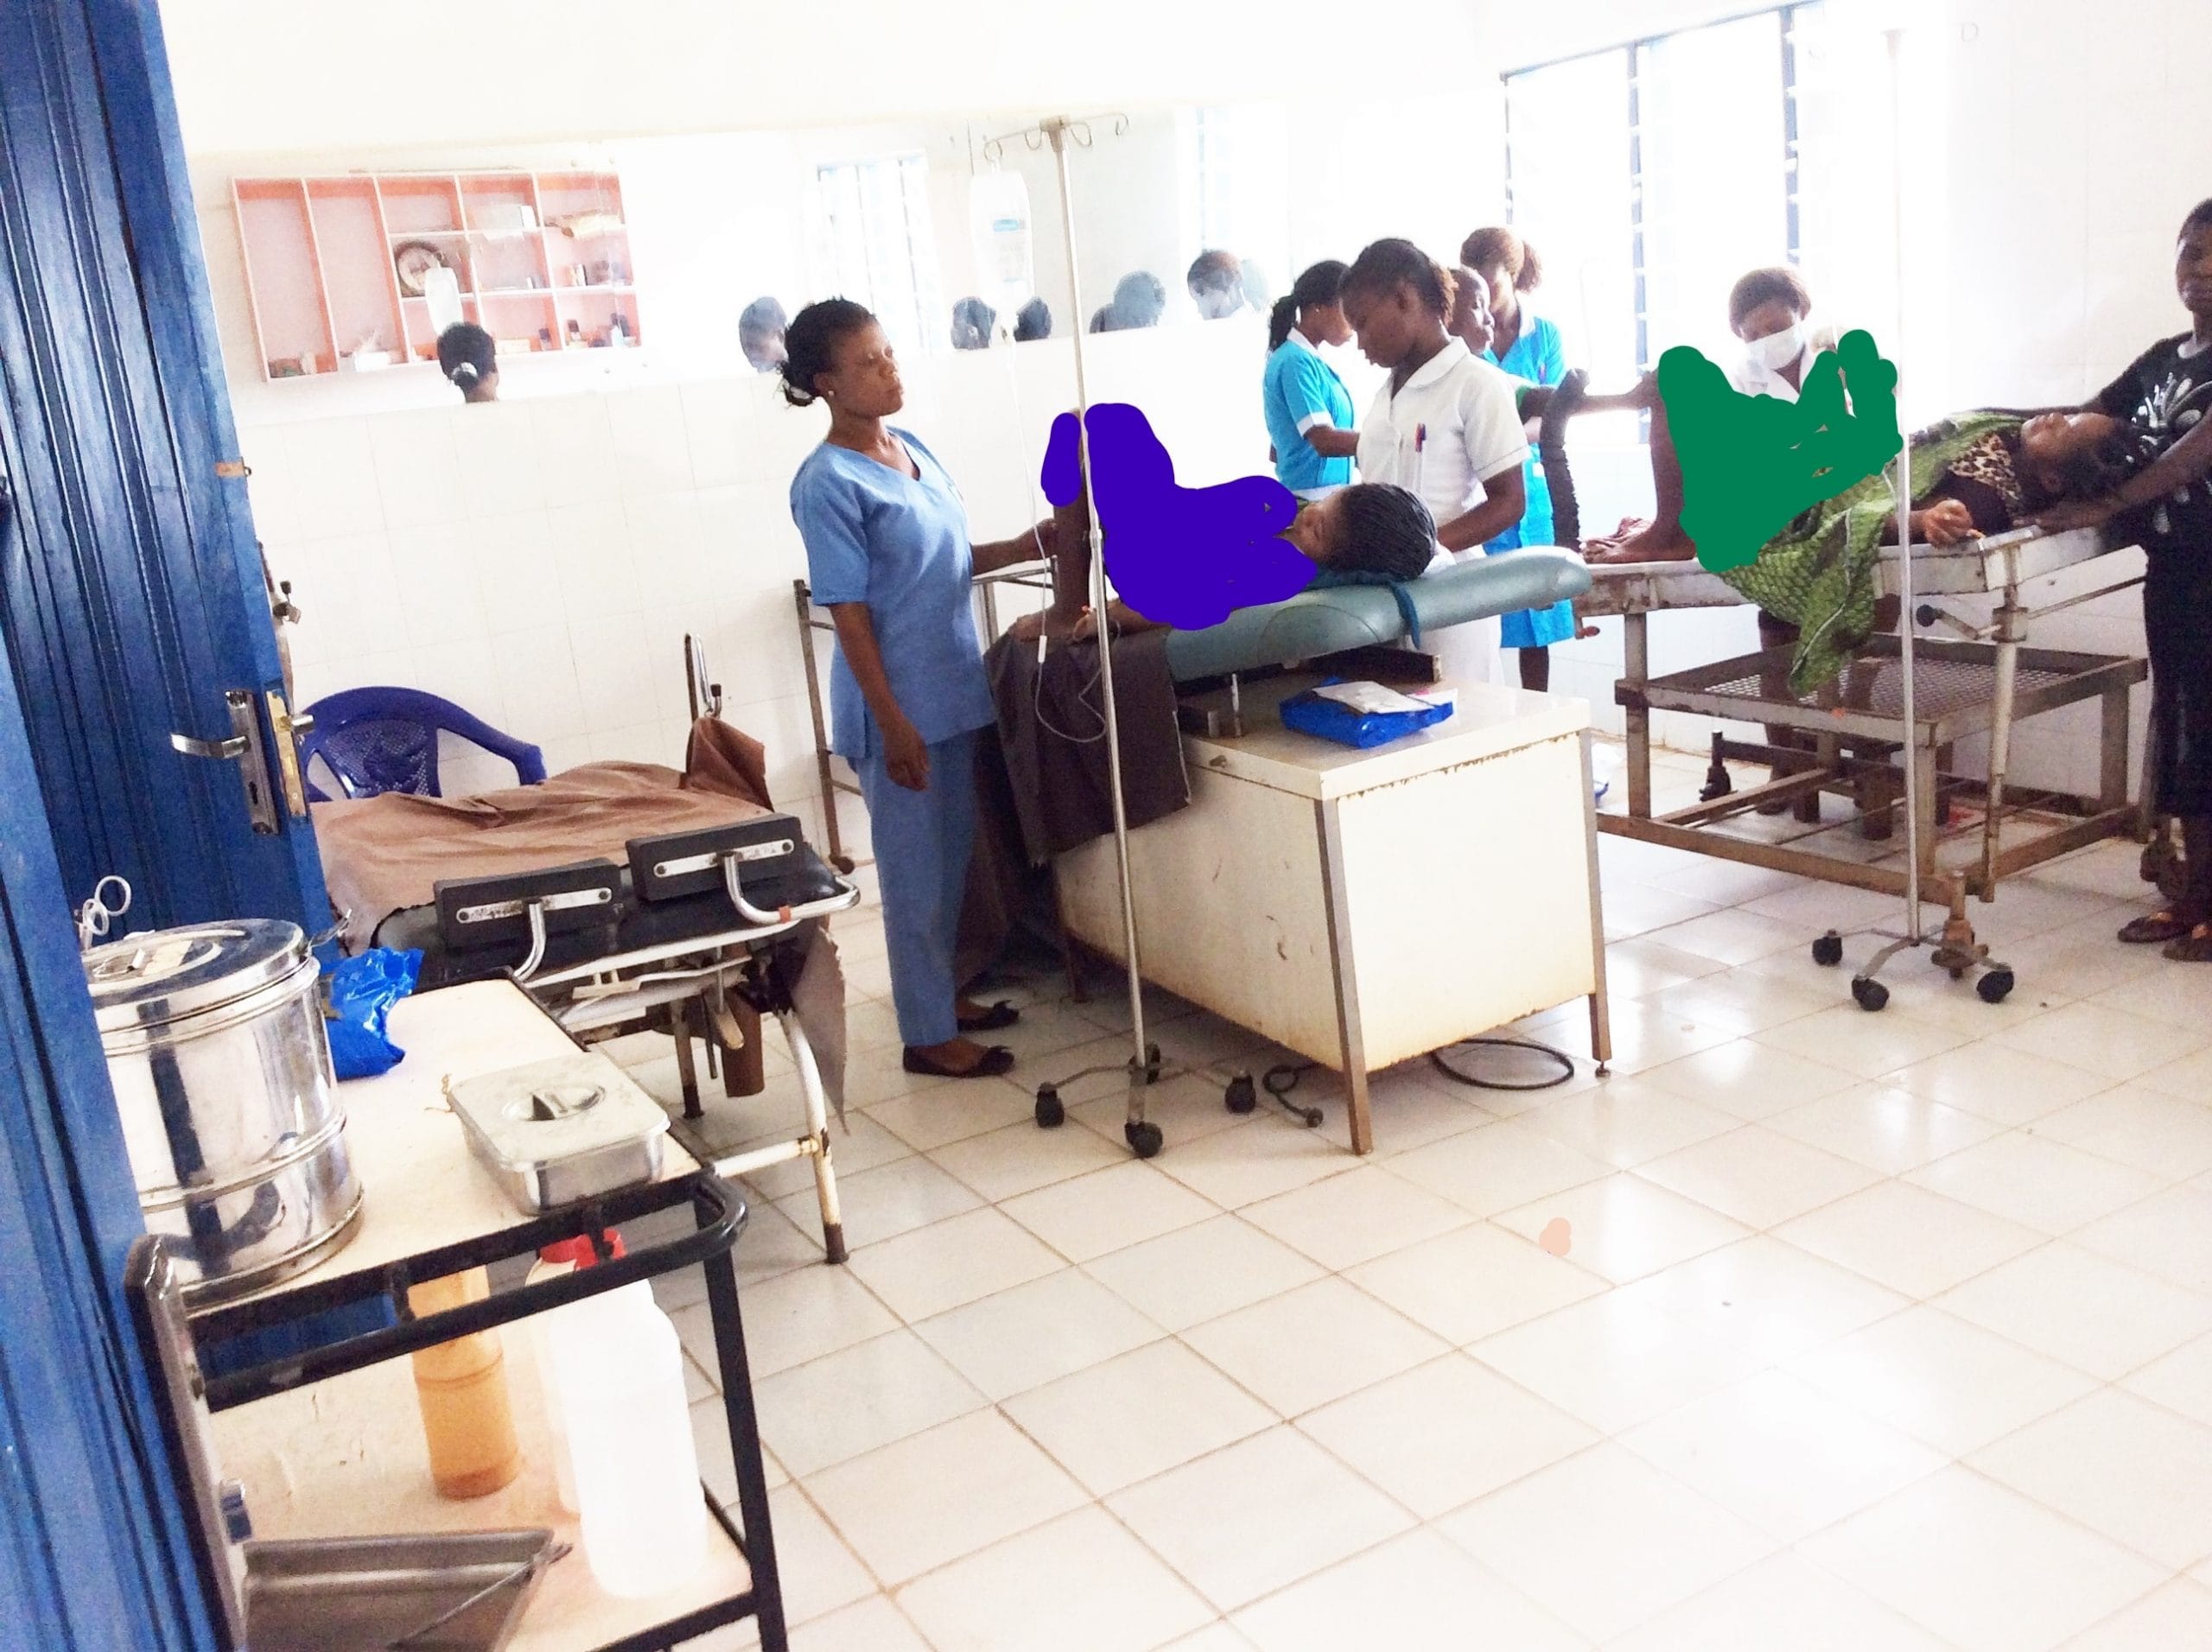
<point x="2155" y="929"/>
<point x="992" y="1063"/>
<point x="996" y="1019"/>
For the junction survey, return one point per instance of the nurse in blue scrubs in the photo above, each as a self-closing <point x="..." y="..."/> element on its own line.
<point x="888" y="554"/>
<point x="1308" y="410"/>
<point x="1528" y="346"/>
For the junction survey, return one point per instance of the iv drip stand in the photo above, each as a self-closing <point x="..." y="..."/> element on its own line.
<point x="1867" y="990"/>
<point x="1144" y="1066"/>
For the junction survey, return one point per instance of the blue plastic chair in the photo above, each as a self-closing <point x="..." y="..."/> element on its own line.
<point x="387" y="740"/>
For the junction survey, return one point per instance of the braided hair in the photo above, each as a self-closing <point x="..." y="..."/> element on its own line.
<point x="2094" y="471"/>
<point x="1387" y="531"/>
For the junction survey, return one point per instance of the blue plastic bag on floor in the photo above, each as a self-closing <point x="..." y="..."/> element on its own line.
<point x="358" y="993"/>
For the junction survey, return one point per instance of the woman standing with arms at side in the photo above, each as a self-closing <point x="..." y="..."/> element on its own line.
<point x="1447" y="427"/>
<point x="1528" y="346"/>
<point x="888" y="554"/>
<point x="1308" y="410"/>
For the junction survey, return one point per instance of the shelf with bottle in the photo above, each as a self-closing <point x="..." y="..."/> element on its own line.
<point x="431" y="1214"/>
<point x="321" y="257"/>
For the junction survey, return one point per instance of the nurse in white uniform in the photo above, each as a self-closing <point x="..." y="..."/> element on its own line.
<point x="1770" y="311"/>
<point x="1447" y="425"/>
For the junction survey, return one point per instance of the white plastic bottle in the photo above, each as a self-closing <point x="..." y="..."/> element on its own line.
<point x="618" y="1371"/>
<point x="553" y="1261"/>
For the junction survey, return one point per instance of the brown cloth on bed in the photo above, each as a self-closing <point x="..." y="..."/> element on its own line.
<point x="382" y="855"/>
<point x="1056" y="764"/>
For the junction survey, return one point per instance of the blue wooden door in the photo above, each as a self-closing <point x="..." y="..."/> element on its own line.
<point x="130" y="610"/>
<point x="130" y="589"/>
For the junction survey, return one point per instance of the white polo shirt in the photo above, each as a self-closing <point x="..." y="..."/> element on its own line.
<point x="1452" y="424"/>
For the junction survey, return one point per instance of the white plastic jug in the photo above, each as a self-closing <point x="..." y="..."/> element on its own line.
<point x="618" y="1373"/>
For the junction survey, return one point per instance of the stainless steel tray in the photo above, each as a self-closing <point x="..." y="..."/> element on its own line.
<point x="460" y="1593"/>
<point x="554" y="1132"/>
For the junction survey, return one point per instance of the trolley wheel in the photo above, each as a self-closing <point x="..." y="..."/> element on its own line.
<point x="1051" y="1113"/>
<point x="1719" y="783"/>
<point x="1993" y="987"/>
<point x="1145" y="1140"/>
<point x="1827" y="951"/>
<point x="1869" y="994"/>
<point x="1240" y="1096"/>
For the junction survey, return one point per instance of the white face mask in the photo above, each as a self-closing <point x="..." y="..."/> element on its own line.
<point x="1777" y="350"/>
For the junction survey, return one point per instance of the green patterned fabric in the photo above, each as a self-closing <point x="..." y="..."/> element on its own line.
<point x="1819" y="572"/>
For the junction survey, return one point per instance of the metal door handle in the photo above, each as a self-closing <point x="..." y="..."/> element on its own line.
<point x="244" y="747"/>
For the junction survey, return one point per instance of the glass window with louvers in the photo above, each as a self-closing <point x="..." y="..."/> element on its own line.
<point x="872" y="243"/>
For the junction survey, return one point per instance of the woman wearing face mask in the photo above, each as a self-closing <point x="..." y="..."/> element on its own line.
<point x="1308" y="411"/>
<point x="1768" y="310"/>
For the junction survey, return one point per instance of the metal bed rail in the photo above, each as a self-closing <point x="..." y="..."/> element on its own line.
<point x="1036" y="576"/>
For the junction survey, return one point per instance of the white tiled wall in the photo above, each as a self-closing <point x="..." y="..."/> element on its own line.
<point x="540" y="562"/>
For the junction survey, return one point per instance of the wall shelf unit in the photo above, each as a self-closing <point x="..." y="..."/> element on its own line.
<point x="542" y="260"/>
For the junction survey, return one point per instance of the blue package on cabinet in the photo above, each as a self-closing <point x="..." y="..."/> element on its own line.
<point x="1360" y="715"/>
<point x="358" y="993"/>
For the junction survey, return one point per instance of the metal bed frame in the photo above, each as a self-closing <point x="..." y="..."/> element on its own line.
<point x="1037" y="576"/>
<point x="1983" y="683"/>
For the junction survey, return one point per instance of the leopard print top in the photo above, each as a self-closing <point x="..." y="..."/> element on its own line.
<point x="1990" y="463"/>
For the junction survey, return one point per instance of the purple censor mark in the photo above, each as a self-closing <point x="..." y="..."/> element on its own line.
<point x="1181" y="556"/>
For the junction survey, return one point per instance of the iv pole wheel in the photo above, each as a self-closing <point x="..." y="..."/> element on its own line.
<point x="1827" y="951"/>
<point x="1869" y="993"/>
<point x="1051" y="1113"/>
<point x="1145" y="1140"/>
<point x="1240" y="1096"/>
<point x="1993" y="987"/>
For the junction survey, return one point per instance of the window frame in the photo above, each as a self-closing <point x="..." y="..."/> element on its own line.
<point x="1635" y="53"/>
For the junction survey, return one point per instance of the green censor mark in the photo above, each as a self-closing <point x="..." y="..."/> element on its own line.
<point x="1752" y="465"/>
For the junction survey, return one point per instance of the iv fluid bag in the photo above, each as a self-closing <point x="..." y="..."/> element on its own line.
<point x="998" y="211"/>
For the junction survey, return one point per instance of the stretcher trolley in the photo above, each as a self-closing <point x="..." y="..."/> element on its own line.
<point x="1982" y="679"/>
<point x="707" y="922"/>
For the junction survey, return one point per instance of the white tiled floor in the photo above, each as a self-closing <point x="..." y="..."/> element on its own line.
<point x="1873" y="1333"/>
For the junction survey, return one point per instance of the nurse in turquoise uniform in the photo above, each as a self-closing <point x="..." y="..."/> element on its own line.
<point x="1528" y="346"/>
<point x="1308" y="412"/>
<point x="888" y="554"/>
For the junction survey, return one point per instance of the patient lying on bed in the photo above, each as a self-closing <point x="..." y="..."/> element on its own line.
<point x="1370" y="533"/>
<point x="1974" y="474"/>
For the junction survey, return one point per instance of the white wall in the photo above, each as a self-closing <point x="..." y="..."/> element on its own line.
<point x="260" y="75"/>
<point x="2059" y="161"/>
<point x="540" y="562"/>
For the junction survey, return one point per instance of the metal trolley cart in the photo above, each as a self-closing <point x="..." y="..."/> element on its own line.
<point x="325" y="1441"/>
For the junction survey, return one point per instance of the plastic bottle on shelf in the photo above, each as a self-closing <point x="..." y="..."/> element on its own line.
<point x="617" y="1372"/>
<point x="461" y="1388"/>
<point x="554" y="1260"/>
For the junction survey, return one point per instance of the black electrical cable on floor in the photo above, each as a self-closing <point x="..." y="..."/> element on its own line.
<point x="1566" y="1063"/>
<point x="1279" y="1081"/>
